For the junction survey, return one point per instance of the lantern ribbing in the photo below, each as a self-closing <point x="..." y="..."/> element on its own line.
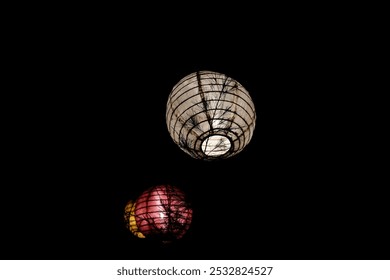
<point x="162" y="212"/>
<point x="210" y="115"/>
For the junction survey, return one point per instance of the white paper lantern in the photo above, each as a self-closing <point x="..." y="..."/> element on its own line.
<point x="210" y="115"/>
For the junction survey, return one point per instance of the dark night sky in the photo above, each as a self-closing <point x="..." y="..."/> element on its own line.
<point x="90" y="134"/>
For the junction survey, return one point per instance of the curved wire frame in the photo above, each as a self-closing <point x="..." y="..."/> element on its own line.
<point x="162" y="213"/>
<point x="210" y="115"/>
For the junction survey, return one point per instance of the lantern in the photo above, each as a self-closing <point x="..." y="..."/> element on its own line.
<point x="129" y="219"/>
<point x="210" y="115"/>
<point x="162" y="212"/>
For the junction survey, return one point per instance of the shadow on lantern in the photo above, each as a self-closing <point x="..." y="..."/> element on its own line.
<point x="161" y="213"/>
<point x="210" y="115"/>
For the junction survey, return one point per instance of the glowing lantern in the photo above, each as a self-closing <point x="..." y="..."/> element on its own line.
<point x="210" y="115"/>
<point x="162" y="212"/>
<point x="129" y="218"/>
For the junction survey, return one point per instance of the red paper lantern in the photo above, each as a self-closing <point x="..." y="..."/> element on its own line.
<point x="162" y="212"/>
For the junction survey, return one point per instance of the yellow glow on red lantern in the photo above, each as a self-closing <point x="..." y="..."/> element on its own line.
<point x="129" y="218"/>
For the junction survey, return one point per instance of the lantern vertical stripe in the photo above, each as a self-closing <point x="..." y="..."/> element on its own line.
<point x="210" y="115"/>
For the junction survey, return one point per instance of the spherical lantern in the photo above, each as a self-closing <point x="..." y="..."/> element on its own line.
<point x="129" y="219"/>
<point x="162" y="212"/>
<point x="210" y="115"/>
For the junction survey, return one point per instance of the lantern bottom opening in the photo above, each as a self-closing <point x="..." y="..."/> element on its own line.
<point x="216" y="145"/>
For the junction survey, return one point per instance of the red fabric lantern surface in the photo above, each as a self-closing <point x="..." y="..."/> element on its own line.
<point x="163" y="212"/>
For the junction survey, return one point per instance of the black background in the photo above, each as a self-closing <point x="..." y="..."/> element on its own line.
<point x="87" y="133"/>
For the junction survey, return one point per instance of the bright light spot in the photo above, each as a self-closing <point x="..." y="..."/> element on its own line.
<point x="216" y="145"/>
